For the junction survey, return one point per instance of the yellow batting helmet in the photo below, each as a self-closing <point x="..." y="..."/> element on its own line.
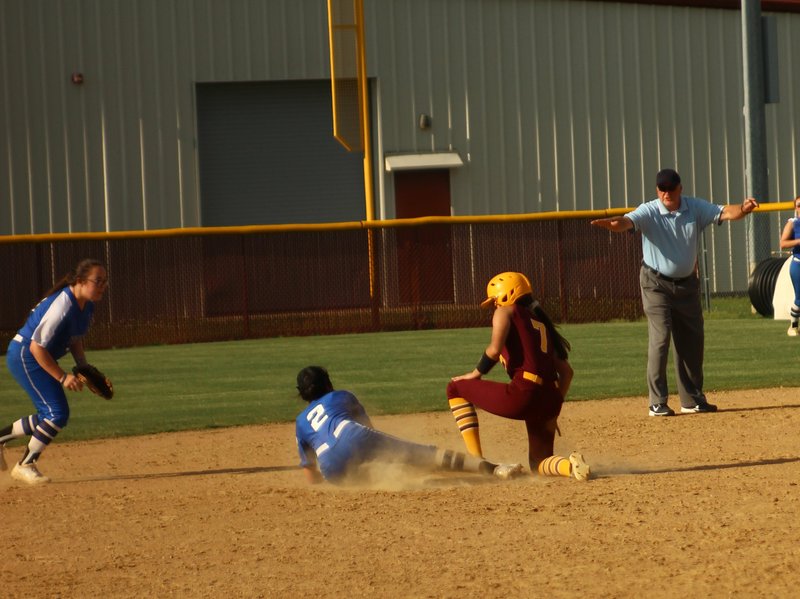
<point x="506" y="288"/>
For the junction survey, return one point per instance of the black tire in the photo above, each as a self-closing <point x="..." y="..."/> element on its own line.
<point x="763" y="280"/>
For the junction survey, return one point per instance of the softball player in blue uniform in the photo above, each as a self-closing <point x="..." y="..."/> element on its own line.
<point x="790" y="240"/>
<point x="335" y="437"/>
<point x="55" y="326"/>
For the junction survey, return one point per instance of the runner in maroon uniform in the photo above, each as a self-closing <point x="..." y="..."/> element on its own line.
<point x="535" y="356"/>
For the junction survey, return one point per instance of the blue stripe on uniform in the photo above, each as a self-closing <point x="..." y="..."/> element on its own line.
<point x="39" y="394"/>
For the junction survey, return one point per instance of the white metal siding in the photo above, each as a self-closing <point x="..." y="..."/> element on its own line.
<point x="562" y="105"/>
<point x="553" y="104"/>
<point x="118" y="152"/>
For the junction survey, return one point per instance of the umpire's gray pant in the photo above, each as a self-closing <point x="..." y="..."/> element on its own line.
<point x="674" y="310"/>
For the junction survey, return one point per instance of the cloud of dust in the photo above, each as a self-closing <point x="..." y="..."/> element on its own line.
<point x="392" y="475"/>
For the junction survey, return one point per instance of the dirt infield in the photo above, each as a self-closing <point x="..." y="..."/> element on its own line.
<point x="696" y="505"/>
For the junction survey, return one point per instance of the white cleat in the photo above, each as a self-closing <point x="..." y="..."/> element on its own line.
<point x="29" y="474"/>
<point x="792" y="332"/>
<point x="507" y="471"/>
<point x="580" y="469"/>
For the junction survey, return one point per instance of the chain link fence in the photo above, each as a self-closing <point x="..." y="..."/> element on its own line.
<point x="196" y="285"/>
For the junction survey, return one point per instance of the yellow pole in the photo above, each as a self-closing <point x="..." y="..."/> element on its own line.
<point x="363" y="88"/>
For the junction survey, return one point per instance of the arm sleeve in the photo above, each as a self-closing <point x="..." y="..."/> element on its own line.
<point x="52" y="319"/>
<point x="705" y="212"/>
<point x="637" y="216"/>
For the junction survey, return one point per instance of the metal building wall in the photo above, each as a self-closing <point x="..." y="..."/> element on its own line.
<point x="118" y="152"/>
<point x="562" y="105"/>
<point x="553" y="104"/>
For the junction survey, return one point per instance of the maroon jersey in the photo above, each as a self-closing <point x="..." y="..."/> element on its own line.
<point x="532" y="394"/>
<point x="528" y="347"/>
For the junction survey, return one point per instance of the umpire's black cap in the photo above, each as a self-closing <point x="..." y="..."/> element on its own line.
<point x="667" y="179"/>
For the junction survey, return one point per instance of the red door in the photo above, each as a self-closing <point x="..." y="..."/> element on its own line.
<point x="424" y="253"/>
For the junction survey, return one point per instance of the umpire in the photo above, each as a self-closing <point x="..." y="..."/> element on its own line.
<point x="671" y="226"/>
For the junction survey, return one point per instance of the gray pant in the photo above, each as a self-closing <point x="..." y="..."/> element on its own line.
<point x="674" y="311"/>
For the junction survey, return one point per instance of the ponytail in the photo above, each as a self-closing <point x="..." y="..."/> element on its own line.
<point x="79" y="273"/>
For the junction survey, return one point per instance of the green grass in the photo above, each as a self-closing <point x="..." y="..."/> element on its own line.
<point x="731" y="307"/>
<point x="180" y="387"/>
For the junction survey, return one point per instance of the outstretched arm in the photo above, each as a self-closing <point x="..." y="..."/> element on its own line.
<point x="617" y="224"/>
<point x="737" y="212"/>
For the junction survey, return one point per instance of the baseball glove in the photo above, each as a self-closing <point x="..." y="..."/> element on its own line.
<point x="97" y="382"/>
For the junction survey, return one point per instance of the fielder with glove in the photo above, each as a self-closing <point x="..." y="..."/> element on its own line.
<point x="55" y="326"/>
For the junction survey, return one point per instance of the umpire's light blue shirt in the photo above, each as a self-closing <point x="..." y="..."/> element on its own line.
<point x="670" y="239"/>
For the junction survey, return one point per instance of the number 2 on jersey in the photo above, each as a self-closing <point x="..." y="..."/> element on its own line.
<point x="317" y="417"/>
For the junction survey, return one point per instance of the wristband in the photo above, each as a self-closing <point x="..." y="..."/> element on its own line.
<point x="485" y="364"/>
<point x="63" y="378"/>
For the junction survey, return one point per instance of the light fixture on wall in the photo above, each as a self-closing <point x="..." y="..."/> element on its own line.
<point x="424" y="121"/>
<point x="77" y="78"/>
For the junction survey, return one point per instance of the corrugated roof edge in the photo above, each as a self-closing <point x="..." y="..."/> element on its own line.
<point x="766" y="5"/>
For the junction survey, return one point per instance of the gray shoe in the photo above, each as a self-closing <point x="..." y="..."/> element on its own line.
<point x="661" y="409"/>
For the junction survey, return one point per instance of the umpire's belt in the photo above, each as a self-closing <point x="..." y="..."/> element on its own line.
<point x="665" y="277"/>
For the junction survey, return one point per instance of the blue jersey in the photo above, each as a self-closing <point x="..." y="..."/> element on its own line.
<point x="56" y="322"/>
<point x="670" y="240"/>
<point x="795" y="235"/>
<point x="329" y="432"/>
<point x="335" y="433"/>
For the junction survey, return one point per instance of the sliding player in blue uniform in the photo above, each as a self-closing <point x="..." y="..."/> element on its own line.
<point x="335" y="438"/>
<point x="55" y="326"/>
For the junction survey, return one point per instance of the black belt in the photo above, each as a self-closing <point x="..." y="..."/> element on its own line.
<point x="665" y="277"/>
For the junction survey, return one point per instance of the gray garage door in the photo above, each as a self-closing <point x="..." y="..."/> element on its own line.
<point x="268" y="156"/>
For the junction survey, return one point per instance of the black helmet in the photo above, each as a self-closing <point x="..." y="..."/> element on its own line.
<point x="313" y="382"/>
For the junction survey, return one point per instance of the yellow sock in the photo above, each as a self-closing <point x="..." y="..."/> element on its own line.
<point x="555" y="465"/>
<point x="467" y="421"/>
